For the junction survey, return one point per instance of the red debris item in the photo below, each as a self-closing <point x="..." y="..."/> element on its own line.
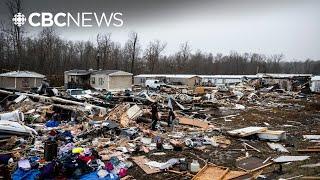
<point x="86" y="159"/>
<point x="109" y="166"/>
<point x="123" y="172"/>
<point x="53" y="133"/>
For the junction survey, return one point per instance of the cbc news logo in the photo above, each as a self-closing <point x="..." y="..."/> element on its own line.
<point x="66" y="19"/>
<point x="19" y="19"/>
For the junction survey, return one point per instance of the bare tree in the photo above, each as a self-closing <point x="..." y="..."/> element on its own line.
<point x="183" y="55"/>
<point x="152" y="54"/>
<point x="80" y="50"/>
<point x="115" y="56"/>
<point x="275" y="62"/>
<point x="89" y="55"/>
<point x="47" y="53"/>
<point x="133" y="48"/>
<point x="14" y="7"/>
<point x="104" y="46"/>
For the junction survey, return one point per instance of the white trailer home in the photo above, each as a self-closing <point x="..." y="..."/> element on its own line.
<point x="225" y="79"/>
<point x="111" y="80"/>
<point x="315" y="84"/>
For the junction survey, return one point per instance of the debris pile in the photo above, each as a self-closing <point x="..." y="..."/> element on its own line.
<point x="233" y="132"/>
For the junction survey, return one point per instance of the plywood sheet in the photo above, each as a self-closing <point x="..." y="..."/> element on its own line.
<point x="140" y="161"/>
<point x="193" y="122"/>
<point x="211" y="172"/>
<point x="234" y="174"/>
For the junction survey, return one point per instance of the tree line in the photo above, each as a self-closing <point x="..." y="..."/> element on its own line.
<point x="51" y="55"/>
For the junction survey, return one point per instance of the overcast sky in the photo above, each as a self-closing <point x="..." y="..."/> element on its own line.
<point x="291" y="27"/>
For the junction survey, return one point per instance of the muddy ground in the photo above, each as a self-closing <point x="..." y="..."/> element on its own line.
<point x="295" y="116"/>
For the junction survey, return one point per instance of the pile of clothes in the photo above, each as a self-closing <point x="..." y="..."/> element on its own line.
<point x="71" y="162"/>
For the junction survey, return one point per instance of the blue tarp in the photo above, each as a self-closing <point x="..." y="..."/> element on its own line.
<point x="20" y="174"/>
<point x="94" y="175"/>
<point x="52" y="123"/>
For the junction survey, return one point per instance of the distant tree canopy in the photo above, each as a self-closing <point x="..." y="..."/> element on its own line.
<point x="50" y="55"/>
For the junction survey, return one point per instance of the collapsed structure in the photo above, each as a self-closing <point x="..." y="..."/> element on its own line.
<point x="246" y="130"/>
<point x="110" y="80"/>
<point x="285" y="81"/>
<point x="177" y="79"/>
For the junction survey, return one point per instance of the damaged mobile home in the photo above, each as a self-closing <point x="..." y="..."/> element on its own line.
<point x="77" y="78"/>
<point x="174" y="79"/>
<point x="219" y="80"/>
<point x="110" y="80"/>
<point x="21" y="80"/>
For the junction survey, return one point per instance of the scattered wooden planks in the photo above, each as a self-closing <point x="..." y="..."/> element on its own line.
<point x="193" y="122"/>
<point x="310" y="149"/>
<point x="214" y="172"/>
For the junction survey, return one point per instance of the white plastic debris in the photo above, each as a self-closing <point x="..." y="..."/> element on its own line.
<point x="283" y="159"/>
